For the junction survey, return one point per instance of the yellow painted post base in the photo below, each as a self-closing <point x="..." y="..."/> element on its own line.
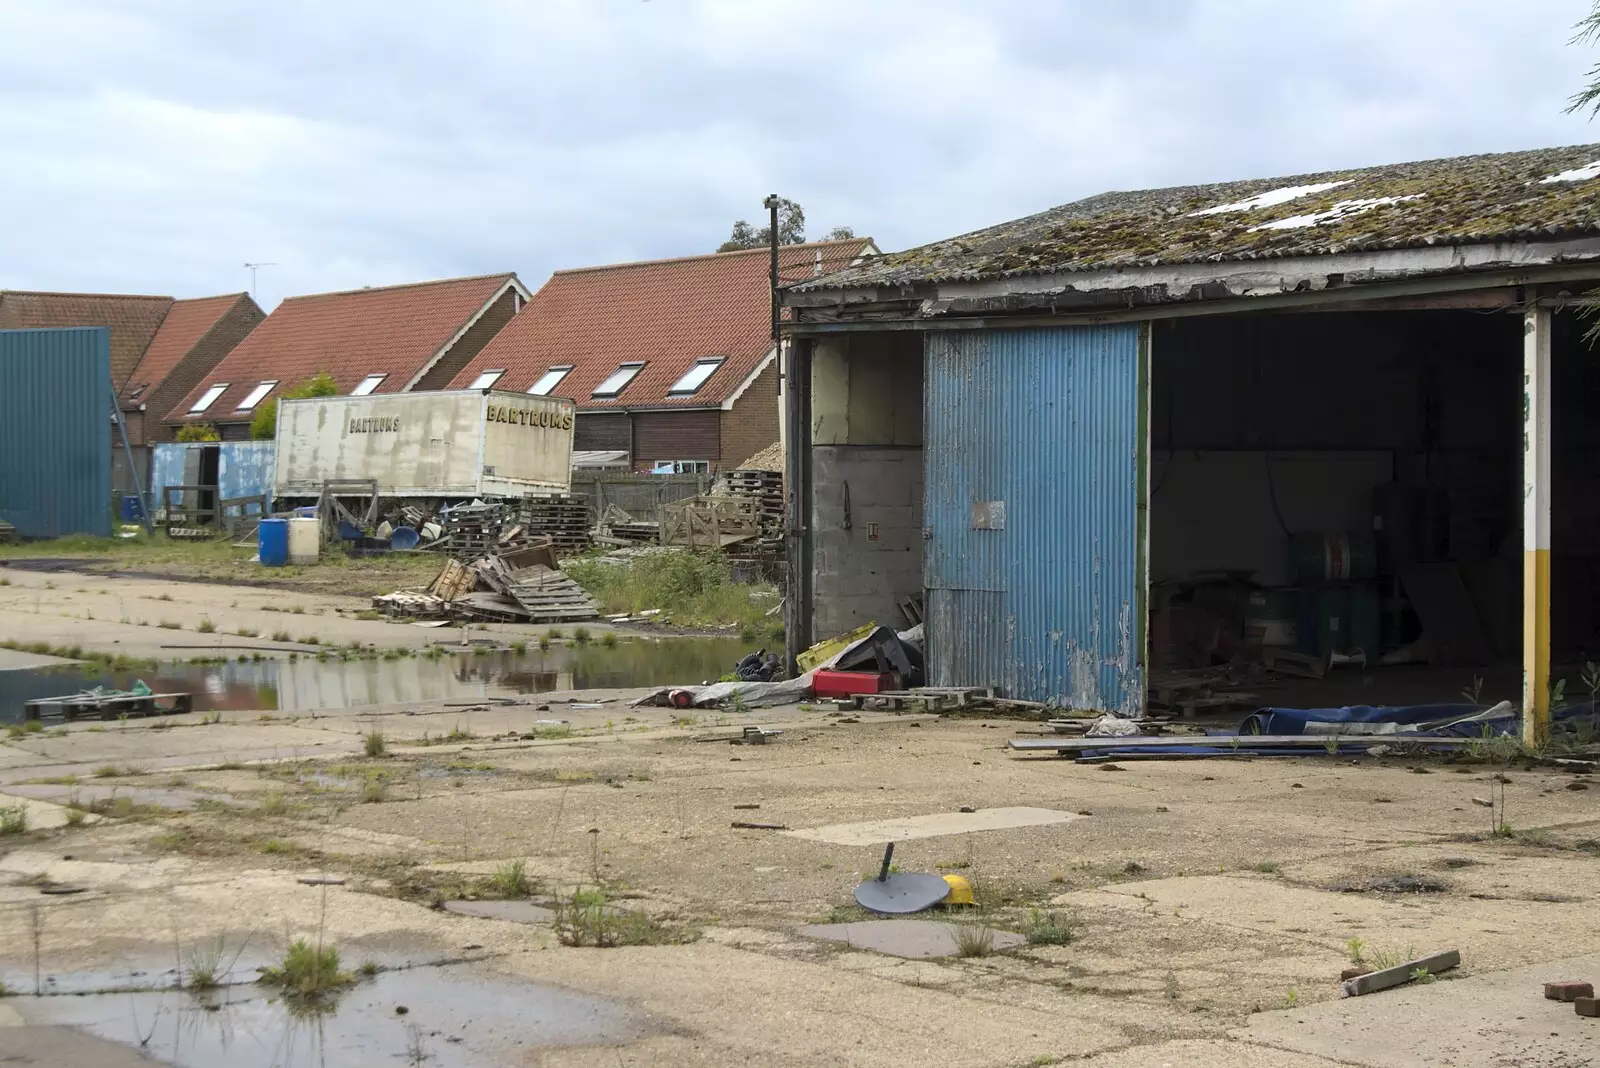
<point x="1535" y="647"/>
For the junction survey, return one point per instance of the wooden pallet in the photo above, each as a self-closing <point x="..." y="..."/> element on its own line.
<point x="91" y="706"/>
<point x="922" y="699"/>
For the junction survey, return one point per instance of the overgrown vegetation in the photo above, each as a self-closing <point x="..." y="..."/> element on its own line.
<point x="693" y="588"/>
<point x="264" y="424"/>
<point x="13" y="820"/>
<point x="374" y="743"/>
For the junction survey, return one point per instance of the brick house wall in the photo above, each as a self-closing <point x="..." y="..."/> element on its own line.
<point x="223" y="337"/>
<point x="752" y="423"/>
<point x="496" y="316"/>
<point x="682" y="435"/>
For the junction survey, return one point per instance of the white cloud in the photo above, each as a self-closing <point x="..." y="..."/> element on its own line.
<point x="156" y="145"/>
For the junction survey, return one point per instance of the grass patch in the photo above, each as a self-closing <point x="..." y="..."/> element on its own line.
<point x="1048" y="928"/>
<point x="369" y="614"/>
<point x="206" y="965"/>
<point x="587" y="918"/>
<point x="307" y="971"/>
<point x="1267" y="867"/>
<point x="697" y="587"/>
<point x="274" y="845"/>
<point x="273" y="804"/>
<point x="282" y="636"/>
<point x="167" y="624"/>
<point x="510" y="880"/>
<point x="205" y="626"/>
<point x="13" y="820"/>
<point x="373" y="791"/>
<point x="247" y="632"/>
<point x="76" y="815"/>
<point x="972" y="939"/>
<point x="374" y="744"/>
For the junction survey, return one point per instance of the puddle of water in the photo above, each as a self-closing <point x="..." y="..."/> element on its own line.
<point x="456" y="1017"/>
<point x="915" y="939"/>
<point x="306" y="684"/>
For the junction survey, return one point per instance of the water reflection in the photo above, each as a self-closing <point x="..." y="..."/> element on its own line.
<point x="448" y="1017"/>
<point x="305" y="684"/>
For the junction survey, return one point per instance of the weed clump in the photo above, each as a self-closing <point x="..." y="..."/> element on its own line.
<point x="374" y="743"/>
<point x="972" y="939"/>
<point x="510" y="880"/>
<point x="307" y="971"/>
<point x="587" y="918"/>
<point x="13" y="820"/>
<point x="1048" y="929"/>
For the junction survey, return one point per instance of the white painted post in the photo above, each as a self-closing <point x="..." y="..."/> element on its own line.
<point x="1536" y="523"/>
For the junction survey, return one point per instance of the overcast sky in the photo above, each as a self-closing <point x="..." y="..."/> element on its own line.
<point x="156" y="145"/>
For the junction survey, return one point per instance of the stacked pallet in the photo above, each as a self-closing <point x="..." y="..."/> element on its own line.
<point x="765" y="489"/>
<point x="563" y="519"/>
<point x="472" y="530"/>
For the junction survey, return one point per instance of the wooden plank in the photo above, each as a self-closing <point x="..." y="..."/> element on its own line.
<point x="1228" y="741"/>
<point x="1433" y="964"/>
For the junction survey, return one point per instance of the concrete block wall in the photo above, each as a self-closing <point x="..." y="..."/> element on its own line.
<point x="858" y="578"/>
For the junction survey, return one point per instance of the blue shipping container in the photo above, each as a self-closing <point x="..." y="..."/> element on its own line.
<point x="55" y="431"/>
<point x="1034" y="507"/>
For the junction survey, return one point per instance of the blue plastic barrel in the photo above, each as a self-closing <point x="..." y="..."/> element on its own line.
<point x="274" y="542"/>
<point x="132" y="508"/>
<point x="404" y="538"/>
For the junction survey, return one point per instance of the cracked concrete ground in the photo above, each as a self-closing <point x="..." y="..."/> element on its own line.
<point x="1211" y="903"/>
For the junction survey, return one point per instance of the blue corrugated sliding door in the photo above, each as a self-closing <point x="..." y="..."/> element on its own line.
<point x="1035" y="513"/>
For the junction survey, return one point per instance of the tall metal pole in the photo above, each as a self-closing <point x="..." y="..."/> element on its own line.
<point x="1536" y="447"/>
<point x="127" y="456"/>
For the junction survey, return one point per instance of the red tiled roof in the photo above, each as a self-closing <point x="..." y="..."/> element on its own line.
<point x="133" y="319"/>
<point x="186" y="324"/>
<point x="667" y="313"/>
<point x="393" y="330"/>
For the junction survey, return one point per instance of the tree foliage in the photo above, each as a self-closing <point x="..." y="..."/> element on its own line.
<point x="197" y="432"/>
<point x="791" y="230"/>
<point x="264" y="424"/>
<point x="1588" y="32"/>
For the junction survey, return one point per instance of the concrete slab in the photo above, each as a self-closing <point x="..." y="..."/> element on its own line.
<point x="13" y="660"/>
<point x="934" y="825"/>
<point x="61" y="1047"/>
<point x="1497" y="1019"/>
<point x="510" y="911"/>
<point x="913" y="939"/>
<point x="1209" y="1054"/>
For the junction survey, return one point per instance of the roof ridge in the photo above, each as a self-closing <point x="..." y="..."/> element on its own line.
<point x="402" y="285"/>
<point x="100" y="296"/>
<point x="762" y="251"/>
<point x="214" y="296"/>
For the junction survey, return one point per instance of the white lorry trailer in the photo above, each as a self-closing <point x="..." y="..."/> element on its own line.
<point x="446" y="444"/>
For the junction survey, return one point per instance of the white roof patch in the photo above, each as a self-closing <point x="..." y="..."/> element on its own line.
<point x="1581" y="174"/>
<point x="1271" y="197"/>
<point x="1342" y="210"/>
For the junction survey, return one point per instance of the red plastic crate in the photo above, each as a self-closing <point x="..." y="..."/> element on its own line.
<point x="847" y="683"/>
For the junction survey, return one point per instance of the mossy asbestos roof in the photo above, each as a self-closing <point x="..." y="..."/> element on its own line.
<point x="1553" y="192"/>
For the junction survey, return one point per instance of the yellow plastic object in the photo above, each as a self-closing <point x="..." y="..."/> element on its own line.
<point x="823" y="651"/>
<point x="960" y="891"/>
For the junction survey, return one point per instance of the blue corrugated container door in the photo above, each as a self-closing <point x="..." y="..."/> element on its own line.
<point x="55" y="431"/>
<point x="1034" y="446"/>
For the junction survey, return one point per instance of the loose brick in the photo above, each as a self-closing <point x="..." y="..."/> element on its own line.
<point x="1586" y="1006"/>
<point x="1568" y="990"/>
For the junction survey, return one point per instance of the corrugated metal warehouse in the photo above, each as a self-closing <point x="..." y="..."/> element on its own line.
<point x="55" y="431"/>
<point x="1317" y="420"/>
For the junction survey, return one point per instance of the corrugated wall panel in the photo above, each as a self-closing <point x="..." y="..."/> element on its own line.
<point x="246" y="468"/>
<point x="1034" y="555"/>
<point x="55" y="431"/>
